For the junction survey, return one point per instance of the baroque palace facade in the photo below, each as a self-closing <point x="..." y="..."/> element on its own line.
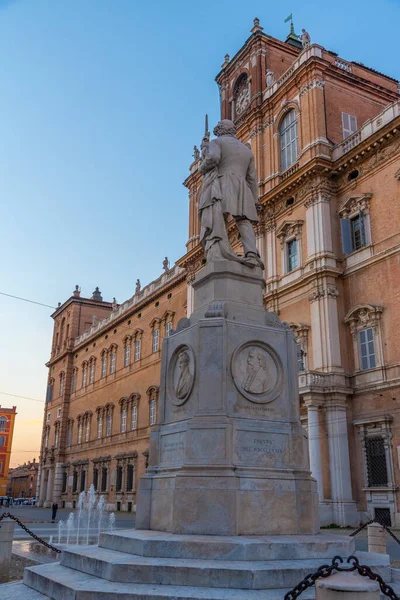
<point x="325" y="133"/>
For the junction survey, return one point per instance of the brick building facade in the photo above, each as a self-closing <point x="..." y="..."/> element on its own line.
<point x="22" y="480"/>
<point x="7" y="420"/>
<point x="325" y="133"/>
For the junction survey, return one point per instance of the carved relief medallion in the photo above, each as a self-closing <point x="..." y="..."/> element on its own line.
<point x="257" y="372"/>
<point x="181" y="373"/>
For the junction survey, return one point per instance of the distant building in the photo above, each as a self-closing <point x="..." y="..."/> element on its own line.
<point x="22" y="480"/>
<point x="325" y="133"/>
<point x="7" y="418"/>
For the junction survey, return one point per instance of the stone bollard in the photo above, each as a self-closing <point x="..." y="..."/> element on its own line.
<point x="376" y="538"/>
<point x="346" y="586"/>
<point x="6" y="540"/>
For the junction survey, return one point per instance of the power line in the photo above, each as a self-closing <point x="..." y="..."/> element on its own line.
<point x="23" y="397"/>
<point x="26" y="300"/>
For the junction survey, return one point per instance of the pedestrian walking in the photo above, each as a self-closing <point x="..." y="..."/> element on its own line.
<point x="54" y="508"/>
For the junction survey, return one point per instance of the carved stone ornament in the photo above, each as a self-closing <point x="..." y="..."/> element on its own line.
<point x="257" y="372"/>
<point x="181" y="374"/>
<point x="397" y="175"/>
<point x="289" y="229"/>
<point x="354" y="204"/>
<point x="323" y="292"/>
<point x="363" y="316"/>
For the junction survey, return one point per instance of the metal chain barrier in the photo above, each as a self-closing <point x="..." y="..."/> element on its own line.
<point x="25" y="528"/>
<point x="326" y="570"/>
<point x="385" y="527"/>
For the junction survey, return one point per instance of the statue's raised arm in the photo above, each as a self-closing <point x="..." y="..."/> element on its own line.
<point x="230" y="187"/>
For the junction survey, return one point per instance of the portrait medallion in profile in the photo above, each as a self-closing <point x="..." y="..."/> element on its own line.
<point x="257" y="372"/>
<point x="181" y="373"/>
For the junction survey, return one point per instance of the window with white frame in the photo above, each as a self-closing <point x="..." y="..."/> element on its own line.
<point x="127" y="353"/>
<point x="288" y="140"/>
<point x="156" y="340"/>
<point x="134" y="416"/>
<point x="87" y="429"/>
<point x="48" y="417"/>
<point x="168" y="328"/>
<point x="80" y="427"/>
<point x="355" y="223"/>
<point x="46" y="439"/>
<point x="3" y="423"/>
<point x="349" y="124"/>
<point x="367" y="349"/>
<point x="69" y="434"/>
<point x="104" y="365"/>
<point x="91" y="371"/>
<point x="61" y="384"/>
<point x="113" y="357"/>
<point x="108" y="424"/>
<point x="56" y="437"/>
<point x="153" y="411"/>
<point x="99" y="427"/>
<point x="73" y="381"/>
<point x="58" y="412"/>
<point x="84" y="375"/>
<point x="292" y="255"/>
<point x="123" y="419"/>
<point x="364" y="321"/>
<point x="137" y="348"/>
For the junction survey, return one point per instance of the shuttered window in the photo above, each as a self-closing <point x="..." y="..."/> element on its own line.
<point x="349" y="124"/>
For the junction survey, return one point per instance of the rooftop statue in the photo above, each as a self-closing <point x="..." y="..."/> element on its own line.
<point x="229" y="187"/>
<point x="305" y="39"/>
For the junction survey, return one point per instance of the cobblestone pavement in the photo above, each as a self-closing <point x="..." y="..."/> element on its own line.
<point x="17" y="591"/>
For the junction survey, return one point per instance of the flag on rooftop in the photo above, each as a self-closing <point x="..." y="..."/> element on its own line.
<point x="289" y="18"/>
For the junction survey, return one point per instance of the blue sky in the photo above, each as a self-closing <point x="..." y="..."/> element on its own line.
<point x="101" y="103"/>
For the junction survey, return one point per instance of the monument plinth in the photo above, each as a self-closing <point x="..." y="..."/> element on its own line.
<point x="229" y="456"/>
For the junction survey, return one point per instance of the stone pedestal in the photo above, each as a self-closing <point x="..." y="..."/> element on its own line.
<point x="6" y="540"/>
<point x="229" y="455"/>
<point x="347" y="586"/>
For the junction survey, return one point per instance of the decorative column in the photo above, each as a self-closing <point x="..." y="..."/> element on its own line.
<point x="315" y="446"/>
<point x="49" y="491"/>
<point x="58" y="478"/>
<point x="270" y="243"/>
<point x="343" y="507"/>
<point x="325" y="328"/>
<point x="42" y="487"/>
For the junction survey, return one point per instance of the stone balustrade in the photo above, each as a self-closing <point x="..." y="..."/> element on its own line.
<point x="342" y="64"/>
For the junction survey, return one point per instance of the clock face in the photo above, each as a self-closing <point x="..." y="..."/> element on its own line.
<point x="242" y="100"/>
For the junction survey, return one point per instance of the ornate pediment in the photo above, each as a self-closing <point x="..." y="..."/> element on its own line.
<point x="363" y="316"/>
<point x="289" y="229"/>
<point x="355" y="204"/>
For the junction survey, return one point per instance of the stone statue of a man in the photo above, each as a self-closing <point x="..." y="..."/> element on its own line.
<point x="229" y="187"/>
<point x="305" y="39"/>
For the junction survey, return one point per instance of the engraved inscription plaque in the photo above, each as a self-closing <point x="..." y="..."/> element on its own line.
<point x="181" y="373"/>
<point x="172" y="448"/>
<point x="257" y="372"/>
<point x="262" y="449"/>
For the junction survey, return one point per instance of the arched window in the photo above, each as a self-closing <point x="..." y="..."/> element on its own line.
<point x="84" y="374"/>
<point x="2" y="440"/>
<point x="288" y="140"/>
<point x="3" y="423"/>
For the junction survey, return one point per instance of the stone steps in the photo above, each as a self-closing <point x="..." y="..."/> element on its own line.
<point x="128" y="568"/>
<point x="166" y="545"/>
<point x="60" y="583"/>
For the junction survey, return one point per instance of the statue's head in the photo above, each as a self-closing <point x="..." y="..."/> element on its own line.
<point x="225" y="127"/>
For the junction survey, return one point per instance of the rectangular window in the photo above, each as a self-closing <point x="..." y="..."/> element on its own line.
<point x="367" y="349"/>
<point x="127" y="354"/>
<point x="134" y="417"/>
<point x="46" y="439"/>
<point x="168" y="329"/>
<point x="49" y="393"/>
<point x="104" y="365"/>
<point x="153" y="407"/>
<point x="79" y="433"/>
<point x="69" y="435"/>
<point x="137" y="349"/>
<point x="292" y="255"/>
<point x="99" y="427"/>
<point x="108" y="425"/>
<point x="61" y="385"/>
<point x="156" y="339"/>
<point x="73" y="382"/>
<point x="129" y="478"/>
<point x="91" y="372"/>
<point x="64" y="482"/>
<point x="58" y="412"/>
<point x="349" y="124"/>
<point x="56" y="437"/>
<point x="95" y="478"/>
<point x="83" y="480"/>
<point x="112" y="362"/>
<point x="357" y="232"/>
<point x="87" y="430"/>
<point x="376" y="462"/>
<point x="75" y="481"/>
<point x="118" y="484"/>
<point x="104" y="479"/>
<point x="300" y="358"/>
<point x="123" y="420"/>
<point x="48" y="417"/>
<point x="84" y="376"/>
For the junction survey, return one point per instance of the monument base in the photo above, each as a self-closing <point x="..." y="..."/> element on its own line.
<point x="132" y="565"/>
